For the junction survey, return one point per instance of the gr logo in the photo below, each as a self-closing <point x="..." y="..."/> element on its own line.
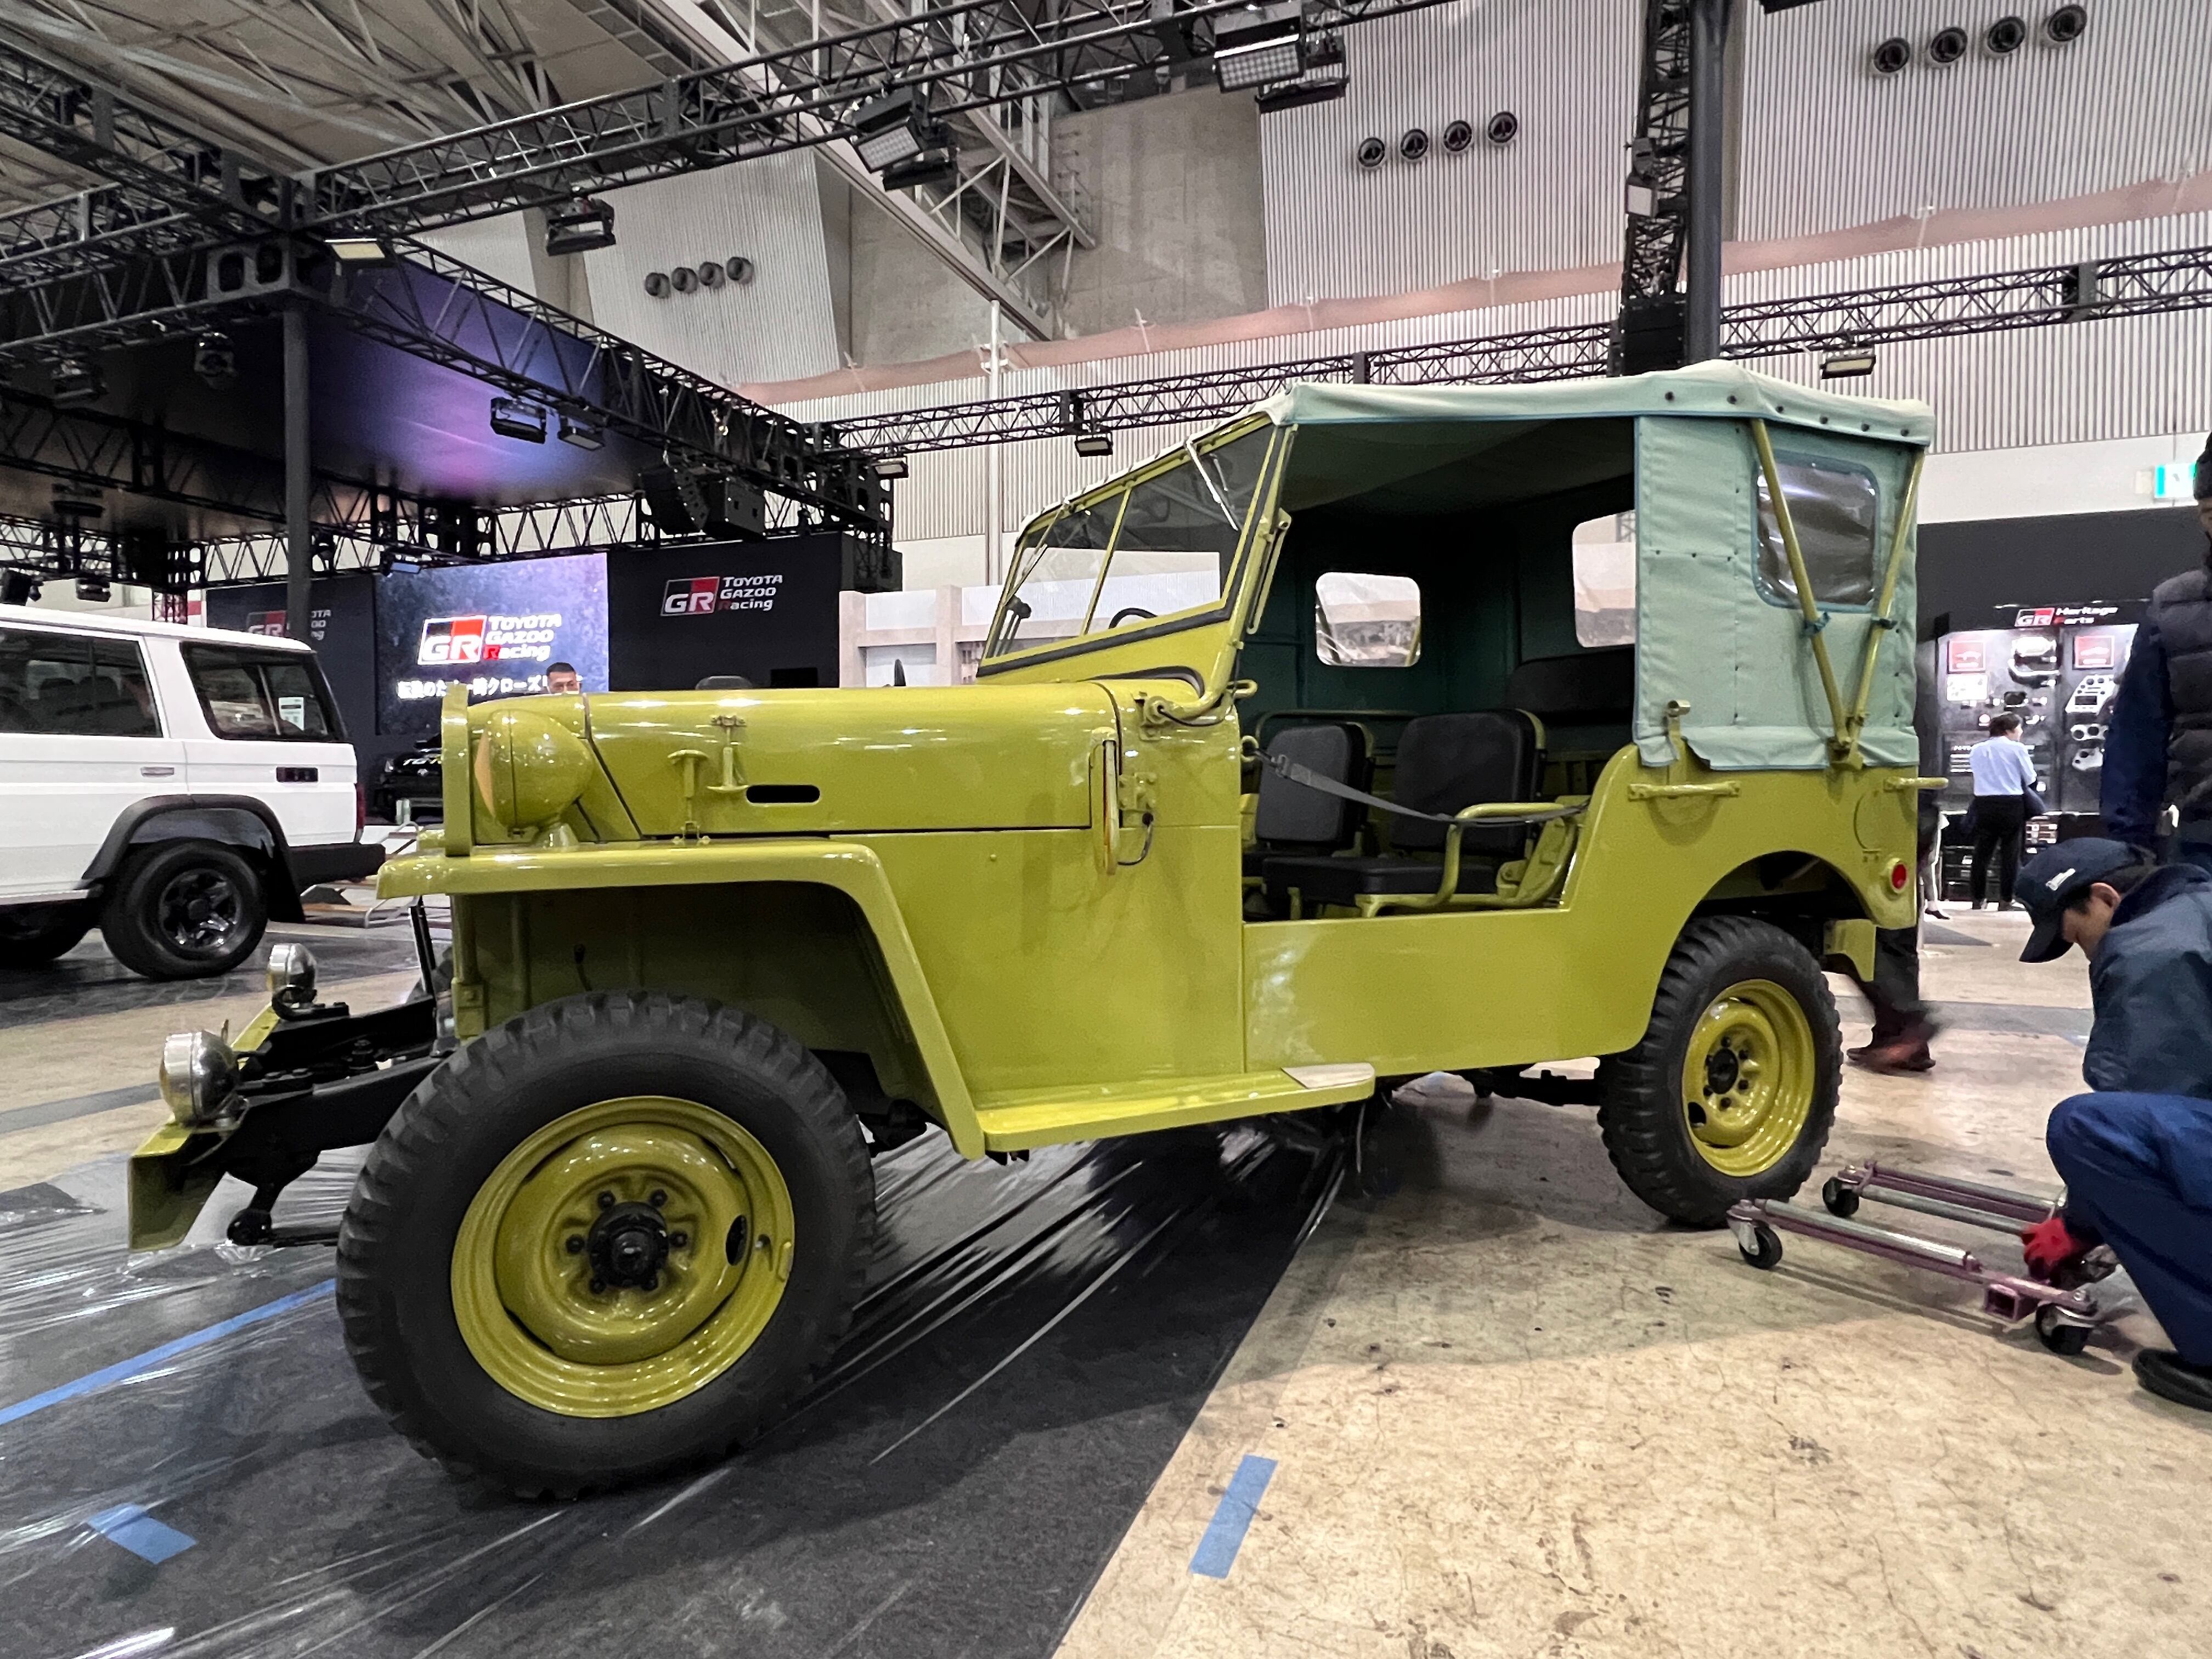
<point x="691" y="596"/>
<point x="451" y="640"/>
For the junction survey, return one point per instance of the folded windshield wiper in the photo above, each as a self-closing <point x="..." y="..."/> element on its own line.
<point x="1206" y="476"/>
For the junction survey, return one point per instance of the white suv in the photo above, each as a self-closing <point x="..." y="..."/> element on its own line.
<point x="176" y="787"/>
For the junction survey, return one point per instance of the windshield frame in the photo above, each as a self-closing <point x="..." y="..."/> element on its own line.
<point x="1192" y="452"/>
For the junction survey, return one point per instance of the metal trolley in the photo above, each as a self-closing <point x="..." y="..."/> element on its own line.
<point x="2064" y="1314"/>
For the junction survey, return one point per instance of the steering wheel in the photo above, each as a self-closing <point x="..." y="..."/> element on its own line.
<point x="1129" y="611"/>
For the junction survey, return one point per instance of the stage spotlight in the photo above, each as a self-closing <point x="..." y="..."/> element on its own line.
<point x="889" y="467"/>
<point x="1847" y="366"/>
<point x="362" y="252"/>
<point x="580" y="226"/>
<point x="1094" y="443"/>
<point x="18" y="588"/>
<point x="78" y="381"/>
<point x="580" y="432"/>
<point x="898" y="137"/>
<point x="214" y="360"/>
<point x="92" y="590"/>
<point x="1249" y="55"/>
<point x="518" y="418"/>
<point x="1891" y="55"/>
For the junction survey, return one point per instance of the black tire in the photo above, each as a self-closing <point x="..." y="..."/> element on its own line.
<point x="395" y="1247"/>
<point x="1840" y="1201"/>
<point x="2061" y="1336"/>
<point x="1766" y="1251"/>
<point x="33" y="935"/>
<point x="185" y="909"/>
<point x="1644" y="1117"/>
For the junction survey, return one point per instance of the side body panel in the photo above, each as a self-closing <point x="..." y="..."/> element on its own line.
<point x="1449" y="991"/>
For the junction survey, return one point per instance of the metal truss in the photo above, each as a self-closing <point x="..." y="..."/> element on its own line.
<point x="1657" y="192"/>
<point x="2133" y="285"/>
<point x="970" y="55"/>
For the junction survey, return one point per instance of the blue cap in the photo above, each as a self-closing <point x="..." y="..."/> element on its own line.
<point x="2058" y="876"/>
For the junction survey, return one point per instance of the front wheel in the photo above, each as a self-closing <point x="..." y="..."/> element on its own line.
<point x="1732" y="1091"/>
<point x="611" y="1238"/>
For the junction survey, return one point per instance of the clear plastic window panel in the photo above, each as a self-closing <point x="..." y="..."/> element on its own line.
<point x="1836" y="507"/>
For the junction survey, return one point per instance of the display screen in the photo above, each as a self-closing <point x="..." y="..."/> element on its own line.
<point x="495" y="628"/>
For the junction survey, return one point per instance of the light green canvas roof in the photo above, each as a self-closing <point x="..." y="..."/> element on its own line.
<point x="1715" y="389"/>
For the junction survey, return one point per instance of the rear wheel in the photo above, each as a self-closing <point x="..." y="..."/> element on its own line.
<point x="1732" y="1091"/>
<point x="185" y="909"/>
<point x="613" y="1238"/>
<point x="33" y="935"/>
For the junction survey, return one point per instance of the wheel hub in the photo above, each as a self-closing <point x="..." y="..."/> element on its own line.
<point x="627" y="1246"/>
<point x="1748" y="1078"/>
<point x="1722" y="1068"/>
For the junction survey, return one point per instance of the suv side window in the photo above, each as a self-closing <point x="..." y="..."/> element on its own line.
<point x="252" y="695"/>
<point x="74" y="685"/>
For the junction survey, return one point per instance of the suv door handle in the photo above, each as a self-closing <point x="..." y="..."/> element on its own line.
<point x="157" y="771"/>
<point x="298" y="774"/>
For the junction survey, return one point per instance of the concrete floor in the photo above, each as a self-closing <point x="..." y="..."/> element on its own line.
<point x="1511" y="1415"/>
<point x="1510" y="1412"/>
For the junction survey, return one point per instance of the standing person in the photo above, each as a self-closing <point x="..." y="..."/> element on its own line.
<point x="2158" y="742"/>
<point x="2136" y="1152"/>
<point x="1902" y="1024"/>
<point x="2003" y="773"/>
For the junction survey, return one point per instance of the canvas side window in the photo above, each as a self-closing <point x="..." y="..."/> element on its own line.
<point x="1605" y="580"/>
<point x="1835" y="506"/>
<point x="1367" y="621"/>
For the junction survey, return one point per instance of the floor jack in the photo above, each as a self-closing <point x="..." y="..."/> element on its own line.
<point x="2064" y="1314"/>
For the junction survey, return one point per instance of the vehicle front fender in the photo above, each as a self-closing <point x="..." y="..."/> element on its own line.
<point x="847" y="867"/>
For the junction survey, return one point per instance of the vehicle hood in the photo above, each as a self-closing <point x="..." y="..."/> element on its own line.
<point x="819" y="762"/>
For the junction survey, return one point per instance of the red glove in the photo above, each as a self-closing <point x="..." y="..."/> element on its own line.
<point x="2053" y="1248"/>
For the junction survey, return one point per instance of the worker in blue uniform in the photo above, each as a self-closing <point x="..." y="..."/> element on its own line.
<point x="2158" y="738"/>
<point x="2136" y="1152"/>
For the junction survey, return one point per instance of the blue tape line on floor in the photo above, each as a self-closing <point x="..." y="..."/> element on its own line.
<point x="126" y="1369"/>
<point x="1232" y="1517"/>
<point x="129" y="1525"/>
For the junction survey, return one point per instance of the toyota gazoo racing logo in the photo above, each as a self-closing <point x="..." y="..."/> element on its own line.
<point x="450" y="641"/>
<point x="702" y="596"/>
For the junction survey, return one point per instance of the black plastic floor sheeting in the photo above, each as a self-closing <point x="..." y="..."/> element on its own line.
<point x="88" y="980"/>
<point x="1035" y="1343"/>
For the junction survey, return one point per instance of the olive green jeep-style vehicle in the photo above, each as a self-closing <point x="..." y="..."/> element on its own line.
<point x="1288" y="773"/>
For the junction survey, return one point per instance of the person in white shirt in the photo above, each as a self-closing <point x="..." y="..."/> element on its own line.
<point x="2004" y="773"/>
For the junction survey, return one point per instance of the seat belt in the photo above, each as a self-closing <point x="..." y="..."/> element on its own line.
<point x="1284" y="767"/>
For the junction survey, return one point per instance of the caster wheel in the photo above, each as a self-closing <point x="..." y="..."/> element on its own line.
<point x="1841" y="1201"/>
<point x="2059" y="1335"/>
<point x="1765" y="1250"/>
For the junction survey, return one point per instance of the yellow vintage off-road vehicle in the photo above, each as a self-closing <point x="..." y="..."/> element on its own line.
<point x="1287" y="771"/>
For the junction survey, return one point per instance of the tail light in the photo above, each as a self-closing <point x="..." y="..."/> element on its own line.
<point x="1900" y="873"/>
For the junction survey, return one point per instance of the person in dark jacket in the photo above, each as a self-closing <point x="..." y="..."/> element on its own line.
<point x="2136" y="1152"/>
<point x="1902" y="1023"/>
<point x="2157" y="739"/>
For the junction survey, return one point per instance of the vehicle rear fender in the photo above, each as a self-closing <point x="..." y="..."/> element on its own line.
<point x="238" y="821"/>
<point x="807" y="934"/>
<point x="1805" y="896"/>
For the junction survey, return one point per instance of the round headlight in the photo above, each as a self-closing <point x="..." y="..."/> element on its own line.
<point x="291" y="978"/>
<point x="528" y="769"/>
<point x="198" y="1075"/>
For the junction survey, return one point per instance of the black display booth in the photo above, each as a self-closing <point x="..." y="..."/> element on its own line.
<point x="653" y="619"/>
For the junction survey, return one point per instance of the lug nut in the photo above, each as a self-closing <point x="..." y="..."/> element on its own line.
<point x="599" y="1286"/>
<point x="677" y="1241"/>
<point x="606" y="1200"/>
<point x="658" y="1198"/>
<point x="575" y="1244"/>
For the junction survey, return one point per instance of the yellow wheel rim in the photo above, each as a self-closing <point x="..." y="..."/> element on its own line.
<point x="1747" y="1078"/>
<point x="622" y="1257"/>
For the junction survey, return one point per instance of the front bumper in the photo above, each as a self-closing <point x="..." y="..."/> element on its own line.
<point x="341" y="860"/>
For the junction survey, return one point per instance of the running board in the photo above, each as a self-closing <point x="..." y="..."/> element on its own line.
<point x="1023" y="1118"/>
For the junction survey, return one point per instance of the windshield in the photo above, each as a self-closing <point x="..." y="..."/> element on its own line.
<point x="1159" y="547"/>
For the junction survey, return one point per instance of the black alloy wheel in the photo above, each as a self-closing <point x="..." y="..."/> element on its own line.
<point x="185" y="909"/>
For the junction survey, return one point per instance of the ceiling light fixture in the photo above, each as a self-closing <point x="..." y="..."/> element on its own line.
<point x="1094" y="443"/>
<point x="1847" y="366"/>
<point x="579" y="226"/>
<point x="1252" y="54"/>
<point x="362" y="252"/>
<point x="518" y="418"/>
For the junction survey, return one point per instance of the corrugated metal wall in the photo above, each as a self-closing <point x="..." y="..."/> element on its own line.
<point x="1831" y="144"/>
<point x="779" y="324"/>
<point x="1549" y="200"/>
